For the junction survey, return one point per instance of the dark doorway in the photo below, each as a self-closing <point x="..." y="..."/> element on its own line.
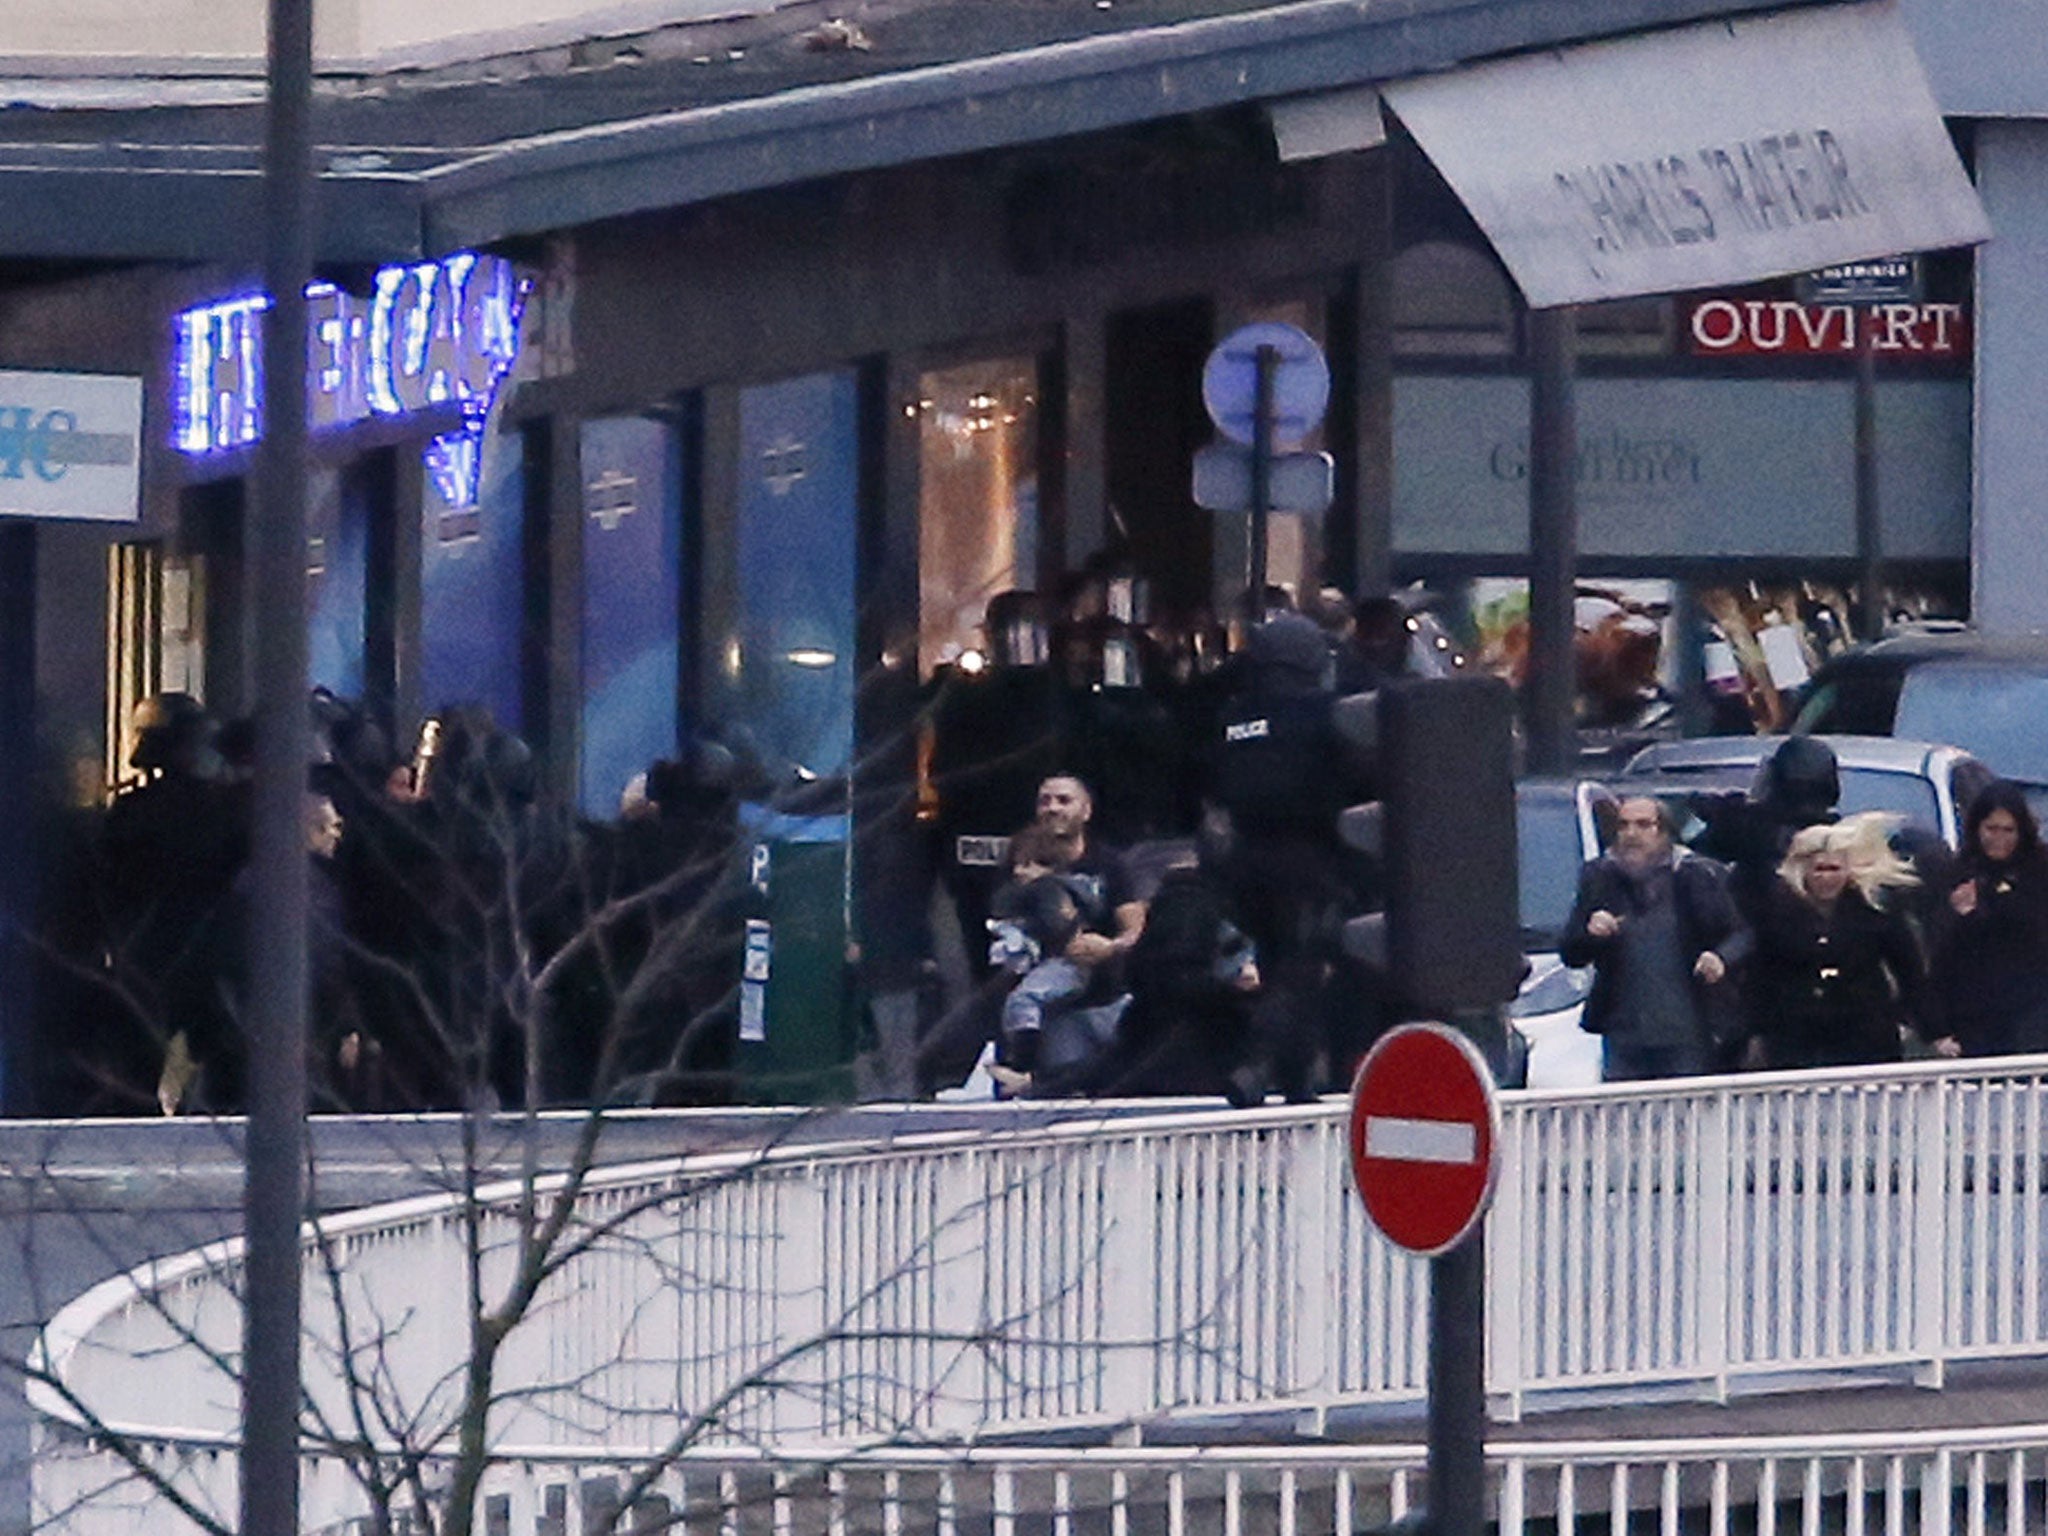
<point x="17" y="768"/>
<point x="1153" y="424"/>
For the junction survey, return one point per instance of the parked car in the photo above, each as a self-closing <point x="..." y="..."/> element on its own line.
<point x="1986" y="695"/>
<point x="1928" y="784"/>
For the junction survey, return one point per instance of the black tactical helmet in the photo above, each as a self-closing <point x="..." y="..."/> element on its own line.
<point x="1290" y="643"/>
<point x="1800" y="779"/>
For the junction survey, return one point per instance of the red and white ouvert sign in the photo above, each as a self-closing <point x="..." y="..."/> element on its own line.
<point x="1729" y="327"/>
<point x="1425" y="1136"/>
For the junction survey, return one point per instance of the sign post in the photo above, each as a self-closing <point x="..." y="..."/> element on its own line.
<point x="1266" y="362"/>
<point x="1266" y="386"/>
<point x="1863" y="285"/>
<point x="1425" y="1137"/>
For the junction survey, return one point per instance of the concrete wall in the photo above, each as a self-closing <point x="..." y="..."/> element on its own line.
<point x="1983" y="60"/>
<point x="186" y="36"/>
<point x="2009" y="546"/>
<point x="1990" y="62"/>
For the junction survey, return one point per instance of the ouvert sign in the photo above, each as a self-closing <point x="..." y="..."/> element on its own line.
<point x="70" y="446"/>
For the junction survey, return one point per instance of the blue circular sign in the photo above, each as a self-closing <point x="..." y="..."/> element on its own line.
<point x="1301" y="383"/>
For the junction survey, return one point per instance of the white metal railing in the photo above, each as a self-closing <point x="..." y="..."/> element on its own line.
<point x="1975" y="1482"/>
<point x="1784" y="1226"/>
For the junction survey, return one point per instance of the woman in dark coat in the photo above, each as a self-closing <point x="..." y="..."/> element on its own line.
<point x="1836" y="969"/>
<point x="1991" y="970"/>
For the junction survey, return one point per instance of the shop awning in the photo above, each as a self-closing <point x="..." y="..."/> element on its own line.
<point x="1707" y="155"/>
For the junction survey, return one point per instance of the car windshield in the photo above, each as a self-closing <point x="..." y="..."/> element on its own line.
<point x="1547" y="830"/>
<point x="1998" y="715"/>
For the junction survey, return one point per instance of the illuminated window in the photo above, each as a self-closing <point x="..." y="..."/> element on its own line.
<point x="156" y="641"/>
<point x="977" y="498"/>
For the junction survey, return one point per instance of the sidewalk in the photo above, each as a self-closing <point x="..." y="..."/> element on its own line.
<point x="1985" y="1395"/>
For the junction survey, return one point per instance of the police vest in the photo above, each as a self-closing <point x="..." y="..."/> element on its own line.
<point x="1276" y="761"/>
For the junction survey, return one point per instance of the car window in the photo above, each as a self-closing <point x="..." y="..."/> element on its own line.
<point x="1854" y="704"/>
<point x="1549" y="854"/>
<point x="1903" y="794"/>
<point x="1966" y="783"/>
<point x="1713" y="777"/>
<point x="1998" y="715"/>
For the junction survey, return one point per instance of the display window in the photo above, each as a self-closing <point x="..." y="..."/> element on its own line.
<point x="978" y="500"/>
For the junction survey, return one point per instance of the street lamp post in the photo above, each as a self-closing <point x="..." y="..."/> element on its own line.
<point x="273" y="1198"/>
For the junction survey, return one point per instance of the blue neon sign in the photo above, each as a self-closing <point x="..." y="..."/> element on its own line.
<point x="431" y="334"/>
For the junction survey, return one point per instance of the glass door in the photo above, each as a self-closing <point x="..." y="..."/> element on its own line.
<point x="787" y="668"/>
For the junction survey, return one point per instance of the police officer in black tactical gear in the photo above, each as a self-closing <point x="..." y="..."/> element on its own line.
<point x="1278" y="771"/>
<point x="992" y="736"/>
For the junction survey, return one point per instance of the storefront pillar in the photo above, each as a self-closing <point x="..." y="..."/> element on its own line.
<point x="890" y="875"/>
<point x="396" y="609"/>
<point x="17" y="803"/>
<point x="1551" y="691"/>
<point x="2008" y="556"/>
<point x="1085" y="473"/>
<point x="552" y="638"/>
<point x="1361" y="546"/>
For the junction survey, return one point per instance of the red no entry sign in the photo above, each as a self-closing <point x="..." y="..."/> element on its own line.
<point x="1424" y="1134"/>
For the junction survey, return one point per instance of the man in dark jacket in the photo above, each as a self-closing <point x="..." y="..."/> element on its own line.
<point x="1660" y="929"/>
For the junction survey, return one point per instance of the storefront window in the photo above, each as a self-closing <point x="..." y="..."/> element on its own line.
<point x="1750" y="648"/>
<point x="977" y="498"/>
<point x="473" y="587"/>
<point x="1451" y="300"/>
<point x="1624" y="641"/>
<point x="1626" y="328"/>
<point x="632" y="603"/>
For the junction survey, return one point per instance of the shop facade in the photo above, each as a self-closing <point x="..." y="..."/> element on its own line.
<point x="650" y="459"/>
<point x="1716" y="476"/>
<point x="748" y="473"/>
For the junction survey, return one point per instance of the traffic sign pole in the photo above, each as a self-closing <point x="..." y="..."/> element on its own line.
<point x="1262" y="475"/>
<point x="1457" y="1388"/>
<point x="1869" y="533"/>
<point x="1266" y="386"/>
<point x="1424" y="1153"/>
<point x="1863" y="285"/>
<point x="1457" y="1350"/>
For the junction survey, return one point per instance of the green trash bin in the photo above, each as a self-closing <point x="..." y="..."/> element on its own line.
<point x="798" y="1009"/>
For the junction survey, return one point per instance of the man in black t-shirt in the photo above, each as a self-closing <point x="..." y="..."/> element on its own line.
<point x="1076" y="1033"/>
<point x="1111" y="916"/>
